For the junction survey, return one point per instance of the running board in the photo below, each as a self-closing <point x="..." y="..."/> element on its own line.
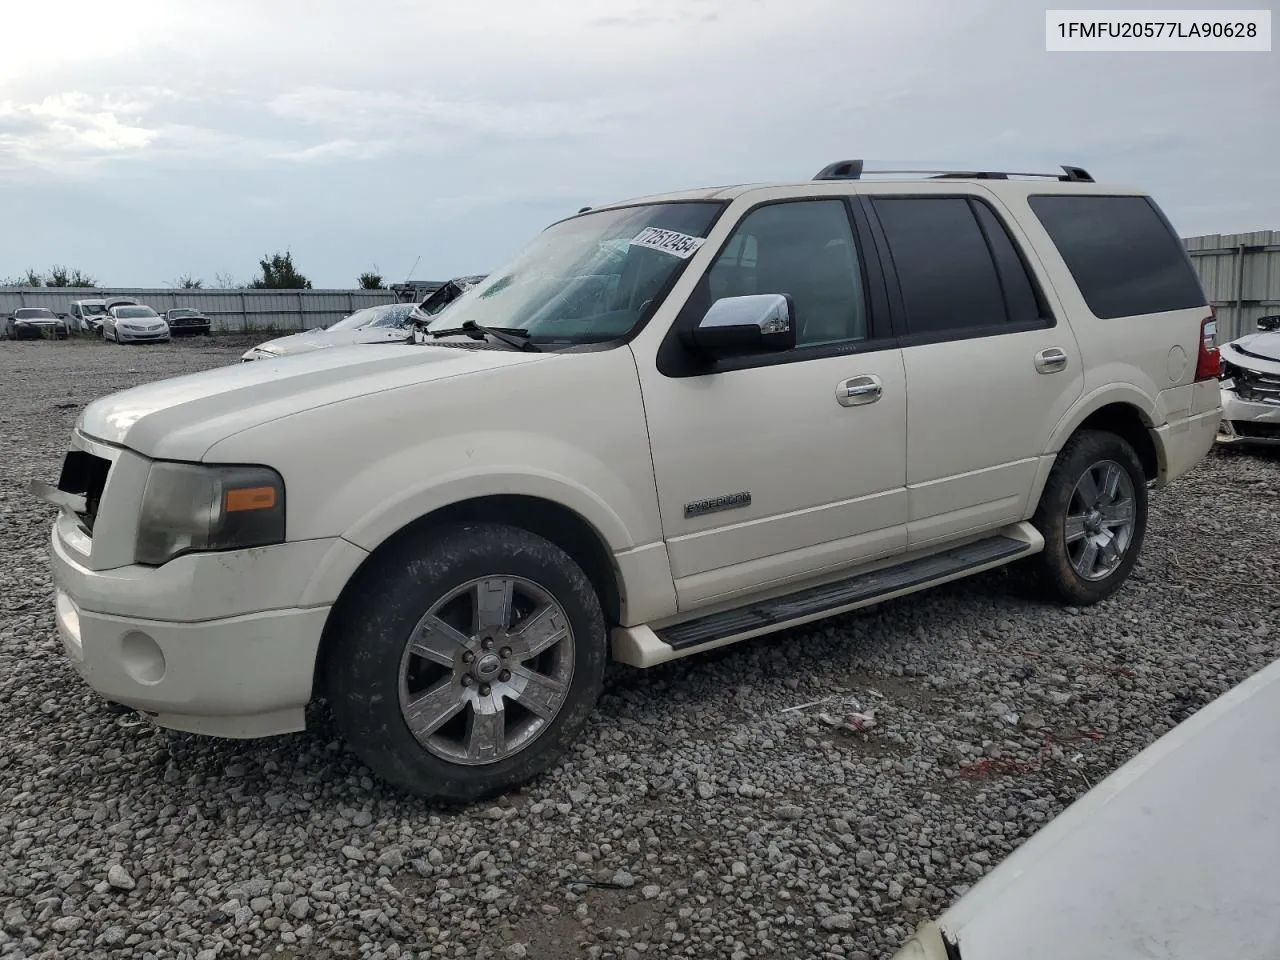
<point x="643" y="646"/>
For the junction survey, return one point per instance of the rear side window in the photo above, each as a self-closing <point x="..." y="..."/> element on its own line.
<point x="1020" y="298"/>
<point x="956" y="265"/>
<point x="1122" y="253"/>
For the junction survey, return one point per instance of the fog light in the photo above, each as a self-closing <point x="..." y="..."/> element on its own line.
<point x="142" y="658"/>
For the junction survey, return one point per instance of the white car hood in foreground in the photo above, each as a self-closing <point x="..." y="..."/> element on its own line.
<point x="1175" y="856"/>
<point x="181" y="418"/>
<point x="310" y="340"/>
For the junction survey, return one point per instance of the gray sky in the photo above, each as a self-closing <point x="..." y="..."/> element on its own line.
<point x="144" y="139"/>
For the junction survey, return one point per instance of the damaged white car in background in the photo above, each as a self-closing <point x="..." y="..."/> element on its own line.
<point x="385" y="323"/>
<point x="1175" y="855"/>
<point x="1251" y="386"/>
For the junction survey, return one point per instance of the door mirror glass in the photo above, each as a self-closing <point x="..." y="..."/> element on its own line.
<point x="747" y="324"/>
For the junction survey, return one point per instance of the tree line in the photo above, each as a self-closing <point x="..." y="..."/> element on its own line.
<point x="276" y="272"/>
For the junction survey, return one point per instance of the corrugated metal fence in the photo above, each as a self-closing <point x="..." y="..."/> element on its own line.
<point x="1241" y="276"/>
<point x="229" y="310"/>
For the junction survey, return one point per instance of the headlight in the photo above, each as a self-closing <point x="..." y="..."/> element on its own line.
<point x="189" y="507"/>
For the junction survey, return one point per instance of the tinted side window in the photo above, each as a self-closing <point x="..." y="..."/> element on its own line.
<point x="944" y="266"/>
<point x="1122" y="254"/>
<point x="804" y="248"/>
<point x="1019" y="294"/>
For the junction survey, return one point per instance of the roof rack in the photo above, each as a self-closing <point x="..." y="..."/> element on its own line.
<point x="853" y="170"/>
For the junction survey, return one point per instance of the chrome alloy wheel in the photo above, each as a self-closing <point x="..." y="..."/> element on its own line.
<point x="1100" y="520"/>
<point x="486" y="670"/>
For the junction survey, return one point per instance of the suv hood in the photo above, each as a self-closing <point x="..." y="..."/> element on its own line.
<point x="181" y="418"/>
<point x="1261" y="346"/>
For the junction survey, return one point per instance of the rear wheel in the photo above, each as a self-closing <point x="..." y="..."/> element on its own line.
<point x="468" y="664"/>
<point x="1093" y="516"/>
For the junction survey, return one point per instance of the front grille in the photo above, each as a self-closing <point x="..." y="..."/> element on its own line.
<point x="85" y="474"/>
<point x="1255" y="386"/>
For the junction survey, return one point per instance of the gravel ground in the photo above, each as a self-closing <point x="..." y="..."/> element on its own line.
<point x="707" y="812"/>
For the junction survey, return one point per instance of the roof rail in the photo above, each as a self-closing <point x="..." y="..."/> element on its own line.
<point x="841" y="170"/>
<point x="853" y="170"/>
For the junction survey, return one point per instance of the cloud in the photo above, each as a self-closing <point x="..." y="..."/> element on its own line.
<point x="337" y="150"/>
<point x="418" y="116"/>
<point x="69" y="131"/>
<point x="396" y="128"/>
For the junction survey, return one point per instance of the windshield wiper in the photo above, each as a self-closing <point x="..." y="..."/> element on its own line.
<point x="511" y="336"/>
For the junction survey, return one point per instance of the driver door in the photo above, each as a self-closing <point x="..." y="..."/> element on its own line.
<point x="768" y="470"/>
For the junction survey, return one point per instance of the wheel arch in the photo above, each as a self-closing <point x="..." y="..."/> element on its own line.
<point x="553" y="521"/>
<point x="1127" y="412"/>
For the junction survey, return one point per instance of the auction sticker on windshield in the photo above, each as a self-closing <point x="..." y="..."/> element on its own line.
<point x="668" y="241"/>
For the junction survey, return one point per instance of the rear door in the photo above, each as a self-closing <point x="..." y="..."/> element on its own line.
<point x="991" y="368"/>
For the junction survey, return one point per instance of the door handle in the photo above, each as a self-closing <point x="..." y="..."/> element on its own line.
<point x="858" y="390"/>
<point x="1051" y="360"/>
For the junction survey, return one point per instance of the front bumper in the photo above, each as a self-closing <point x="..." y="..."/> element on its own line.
<point x="178" y="329"/>
<point x="39" y="332"/>
<point x="1248" y="422"/>
<point x="135" y="336"/>
<point x="234" y="674"/>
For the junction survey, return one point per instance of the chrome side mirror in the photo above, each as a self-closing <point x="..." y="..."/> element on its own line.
<point x="749" y="324"/>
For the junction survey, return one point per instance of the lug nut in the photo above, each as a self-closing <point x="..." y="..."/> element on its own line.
<point x="505" y="652"/>
<point x="487" y="643"/>
<point x="468" y="657"/>
<point x="484" y="690"/>
<point x="504" y="676"/>
<point x="466" y="680"/>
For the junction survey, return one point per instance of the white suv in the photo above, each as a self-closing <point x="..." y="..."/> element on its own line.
<point x="677" y="422"/>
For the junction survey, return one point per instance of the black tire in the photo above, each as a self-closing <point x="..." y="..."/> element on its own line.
<point x="1053" y="569"/>
<point x="369" y="636"/>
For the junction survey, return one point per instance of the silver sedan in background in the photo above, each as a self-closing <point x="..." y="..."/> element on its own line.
<point x="134" y="323"/>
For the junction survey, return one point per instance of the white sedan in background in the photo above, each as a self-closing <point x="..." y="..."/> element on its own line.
<point x="134" y="323"/>
<point x="386" y="323"/>
<point x="1251" y="386"/>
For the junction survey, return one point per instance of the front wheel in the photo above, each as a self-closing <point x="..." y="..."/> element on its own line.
<point x="466" y="664"/>
<point x="1093" y="516"/>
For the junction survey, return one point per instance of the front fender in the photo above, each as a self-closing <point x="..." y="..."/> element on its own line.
<point x="379" y="523"/>
<point x="570" y="430"/>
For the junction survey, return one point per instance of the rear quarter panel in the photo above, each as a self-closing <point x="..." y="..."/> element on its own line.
<point x="1146" y="361"/>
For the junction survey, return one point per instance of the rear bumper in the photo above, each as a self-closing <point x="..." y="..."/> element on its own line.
<point x="1184" y="443"/>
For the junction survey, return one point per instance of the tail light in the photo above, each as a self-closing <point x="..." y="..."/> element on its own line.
<point x="1208" y="360"/>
